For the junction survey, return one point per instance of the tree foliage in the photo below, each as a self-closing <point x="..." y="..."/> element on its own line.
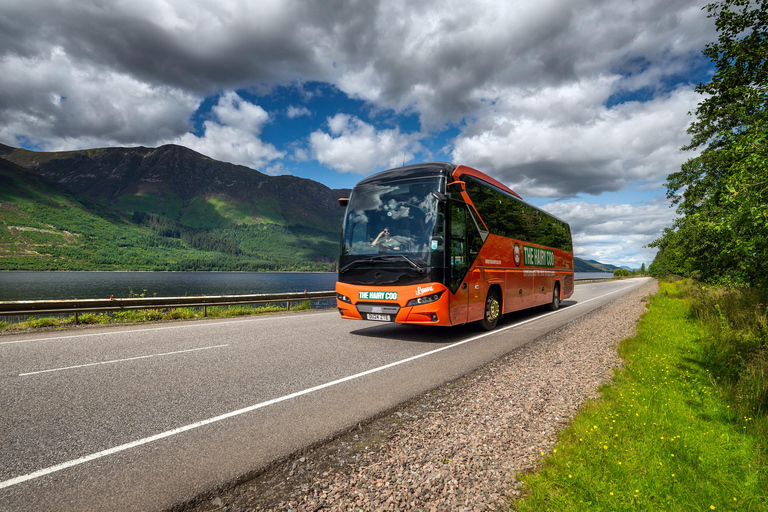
<point x="722" y="194"/>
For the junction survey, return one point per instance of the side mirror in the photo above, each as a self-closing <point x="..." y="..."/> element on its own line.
<point x="343" y="201"/>
<point x="440" y="196"/>
<point x="460" y="185"/>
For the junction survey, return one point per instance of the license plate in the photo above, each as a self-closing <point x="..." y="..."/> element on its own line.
<point x="380" y="318"/>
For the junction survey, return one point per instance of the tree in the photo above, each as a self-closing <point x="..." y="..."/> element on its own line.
<point x="643" y="271"/>
<point x="722" y="194"/>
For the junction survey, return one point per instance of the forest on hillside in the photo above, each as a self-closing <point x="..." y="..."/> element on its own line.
<point x="44" y="226"/>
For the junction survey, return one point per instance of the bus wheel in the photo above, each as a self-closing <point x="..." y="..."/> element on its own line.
<point x="555" y="304"/>
<point x="492" y="311"/>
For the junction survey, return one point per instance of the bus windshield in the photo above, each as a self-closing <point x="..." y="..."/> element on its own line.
<point x="394" y="218"/>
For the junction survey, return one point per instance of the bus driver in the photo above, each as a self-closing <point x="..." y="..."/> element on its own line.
<point x="386" y="240"/>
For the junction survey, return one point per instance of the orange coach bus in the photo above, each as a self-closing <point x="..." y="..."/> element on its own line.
<point x="441" y="244"/>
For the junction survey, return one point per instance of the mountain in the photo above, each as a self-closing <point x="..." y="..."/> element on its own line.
<point x="166" y="208"/>
<point x="46" y="226"/>
<point x="187" y="187"/>
<point x="581" y="265"/>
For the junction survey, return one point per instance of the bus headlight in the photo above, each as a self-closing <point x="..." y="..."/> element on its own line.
<point x="424" y="300"/>
<point x="343" y="298"/>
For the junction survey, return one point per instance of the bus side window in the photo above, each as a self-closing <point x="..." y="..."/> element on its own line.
<point x="458" y="244"/>
<point x="475" y="236"/>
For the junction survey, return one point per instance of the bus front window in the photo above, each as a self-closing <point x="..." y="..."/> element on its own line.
<point x="394" y="218"/>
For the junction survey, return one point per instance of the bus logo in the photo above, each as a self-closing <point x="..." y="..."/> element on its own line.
<point x="536" y="257"/>
<point x="426" y="289"/>
<point x="516" y="251"/>
<point x="378" y="295"/>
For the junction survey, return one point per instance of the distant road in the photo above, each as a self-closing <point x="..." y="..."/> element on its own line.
<point x="144" y="417"/>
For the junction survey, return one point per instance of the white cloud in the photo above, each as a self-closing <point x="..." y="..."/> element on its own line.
<point x="234" y="136"/>
<point x="614" y="233"/>
<point x="277" y="169"/>
<point x="357" y="147"/>
<point x="442" y="60"/>
<point x="293" y="112"/>
<point x="61" y="104"/>
<point x="562" y="142"/>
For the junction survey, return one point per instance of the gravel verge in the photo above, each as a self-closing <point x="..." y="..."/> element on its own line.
<point x="458" y="447"/>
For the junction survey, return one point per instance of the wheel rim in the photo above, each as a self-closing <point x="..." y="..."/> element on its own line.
<point x="492" y="309"/>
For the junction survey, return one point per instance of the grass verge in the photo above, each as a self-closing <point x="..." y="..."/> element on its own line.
<point x="132" y="316"/>
<point x="669" y="433"/>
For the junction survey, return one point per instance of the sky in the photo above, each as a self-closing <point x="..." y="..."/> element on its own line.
<point x="580" y="106"/>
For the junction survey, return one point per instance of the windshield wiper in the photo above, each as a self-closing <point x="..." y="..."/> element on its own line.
<point x="417" y="264"/>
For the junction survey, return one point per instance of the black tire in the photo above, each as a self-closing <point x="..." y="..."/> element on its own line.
<point x="491" y="311"/>
<point x="555" y="304"/>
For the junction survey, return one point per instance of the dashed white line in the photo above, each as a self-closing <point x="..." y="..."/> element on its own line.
<point x="120" y="360"/>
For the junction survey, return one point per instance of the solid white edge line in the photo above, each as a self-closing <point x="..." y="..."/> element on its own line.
<point x="169" y="433"/>
<point x="121" y="360"/>
<point x="201" y="324"/>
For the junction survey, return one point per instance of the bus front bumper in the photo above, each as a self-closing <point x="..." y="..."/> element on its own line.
<point x="402" y="309"/>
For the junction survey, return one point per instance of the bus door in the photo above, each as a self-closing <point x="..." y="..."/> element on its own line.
<point x="458" y="263"/>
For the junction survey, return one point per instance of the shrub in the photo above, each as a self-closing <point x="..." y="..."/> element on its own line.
<point x="181" y="313"/>
<point x="151" y="315"/>
<point x="302" y="306"/>
<point x="42" y="322"/>
<point x="736" y="342"/>
<point x="87" y="318"/>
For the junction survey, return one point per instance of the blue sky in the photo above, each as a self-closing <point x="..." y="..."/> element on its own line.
<point x="581" y="106"/>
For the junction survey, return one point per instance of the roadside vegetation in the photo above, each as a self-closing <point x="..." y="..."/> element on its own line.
<point x="684" y="425"/>
<point x="623" y="272"/>
<point x="721" y="235"/>
<point x="134" y="316"/>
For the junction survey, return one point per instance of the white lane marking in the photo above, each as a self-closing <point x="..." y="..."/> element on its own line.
<point x="201" y="324"/>
<point x="121" y="360"/>
<point x="191" y="426"/>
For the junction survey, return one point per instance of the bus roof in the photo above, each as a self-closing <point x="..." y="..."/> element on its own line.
<point x="429" y="169"/>
<point x="463" y="169"/>
<point x="424" y="170"/>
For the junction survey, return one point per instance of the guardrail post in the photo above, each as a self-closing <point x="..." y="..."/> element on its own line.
<point x="75" y="317"/>
<point x="288" y="306"/>
<point x="205" y="311"/>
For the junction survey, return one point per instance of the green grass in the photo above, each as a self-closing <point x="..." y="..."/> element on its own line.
<point x="666" y="435"/>
<point x="150" y="315"/>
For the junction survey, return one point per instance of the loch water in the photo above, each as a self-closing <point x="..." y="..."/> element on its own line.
<point x="102" y="285"/>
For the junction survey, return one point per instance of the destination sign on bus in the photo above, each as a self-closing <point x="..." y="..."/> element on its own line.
<point x="536" y="257"/>
<point x="378" y="295"/>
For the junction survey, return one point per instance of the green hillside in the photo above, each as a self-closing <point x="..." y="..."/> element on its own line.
<point x="187" y="187"/>
<point x="581" y="265"/>
<point x="46" y="226"/>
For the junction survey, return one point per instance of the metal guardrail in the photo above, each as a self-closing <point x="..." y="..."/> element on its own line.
<point x="42" y="307"/>
<point x="594" y="279"/>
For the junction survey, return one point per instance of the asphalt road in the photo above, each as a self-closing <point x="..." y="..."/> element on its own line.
<point x="146" y="417"/>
